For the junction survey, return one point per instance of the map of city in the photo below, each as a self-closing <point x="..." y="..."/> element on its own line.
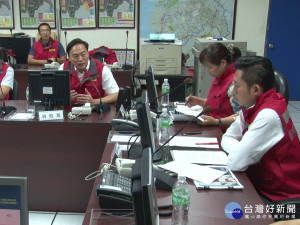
<point x="188" y="19"/>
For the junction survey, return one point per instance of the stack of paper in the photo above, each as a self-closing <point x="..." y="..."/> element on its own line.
<point x="200" y="157"/>
<point x="195" y="142"/>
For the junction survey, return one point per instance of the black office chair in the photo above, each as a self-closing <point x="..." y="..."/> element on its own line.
<point x="281" y="85"/>
<point x="14" y="94"/>
<point x="287" y="215"/>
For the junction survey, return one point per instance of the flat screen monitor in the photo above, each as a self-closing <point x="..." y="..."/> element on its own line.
<point x="143" y="191"/>
<point x="145" y="122"/>
<point x="152" y="92"/>
<point x="13" y="200"/>
<point x="49" y="88"/>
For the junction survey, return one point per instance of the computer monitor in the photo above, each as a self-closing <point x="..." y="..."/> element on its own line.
<point x="153" y="98"/>
<point x="49" y="88"/>
<point x="13" y="200"/>
<point x="143" y="191"/>
<point x="145" y="122"/>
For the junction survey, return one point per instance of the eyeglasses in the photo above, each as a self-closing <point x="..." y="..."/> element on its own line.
<point x="44" y="31"/>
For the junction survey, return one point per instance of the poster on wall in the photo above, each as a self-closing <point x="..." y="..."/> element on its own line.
<point x="6" y="14"/>
<point x="77" y="14"/>
<point x="188" y="20"/>
<point x="32" y="13"/>
<point x="116" y="13"/>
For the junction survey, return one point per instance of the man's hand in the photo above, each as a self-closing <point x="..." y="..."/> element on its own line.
<point x="73" y="94"/>
<point x="85" y="98"/>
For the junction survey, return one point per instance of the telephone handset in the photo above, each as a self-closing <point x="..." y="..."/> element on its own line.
<point x="124" y="125"/>
<point x="115" y="191"/>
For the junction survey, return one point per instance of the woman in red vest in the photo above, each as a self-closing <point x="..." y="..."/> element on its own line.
<point x="46" y="50"/>
<point x="219" y="61"/>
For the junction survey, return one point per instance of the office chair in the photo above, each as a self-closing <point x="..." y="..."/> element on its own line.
<point x="285" y="203"/>
<point x="53" y="35"/>
<point x="281" y="85"/>
<point x="14" y="94"/>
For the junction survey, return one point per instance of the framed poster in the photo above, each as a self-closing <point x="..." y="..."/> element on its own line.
<point x="125" y="56"/>
<point x="77" y="14"/>
<point x="188" y="20"/>
<point x="116" y="14"/>
<point x="32" y="13"/>
<point x="6" y="14"/>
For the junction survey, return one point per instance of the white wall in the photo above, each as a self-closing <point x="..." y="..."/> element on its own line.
<point x="251" y="21"/>
<point x="112" y="38"/>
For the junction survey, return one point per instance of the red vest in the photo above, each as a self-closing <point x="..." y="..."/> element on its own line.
<point x="3" y="70"/>
<point x="277" y="175"/>
<point x="93" y="75"/>
<point x="217" y="97"/>
<point x="45" y="52"/>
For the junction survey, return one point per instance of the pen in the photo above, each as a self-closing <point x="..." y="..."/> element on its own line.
<point x="187" y="102"/>
<point x="208" y="143"/>
<point x="191" y="133"/>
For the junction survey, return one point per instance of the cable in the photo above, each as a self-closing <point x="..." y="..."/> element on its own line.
<point x="128" y="150"/>
<point x="54" y="218"/>
<point x="93" y="175"/>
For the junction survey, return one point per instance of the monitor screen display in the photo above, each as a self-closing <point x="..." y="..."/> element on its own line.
<point x="145" y="122"/>
<point x="143" y="191"/>
<point x="13" y="200"/>
<point x="152" y="92"/>
<point x="49" y="88"/>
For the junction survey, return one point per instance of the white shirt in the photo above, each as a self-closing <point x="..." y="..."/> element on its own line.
<point x="109" y="83"/>
<point x="8" y="79"/>
<point x="244" y="150"/>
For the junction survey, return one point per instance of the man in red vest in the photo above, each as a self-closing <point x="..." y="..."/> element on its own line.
<point x="263" y="141"/>
<point x="90" y="79"/>
<point x="46" y="50"/>
<point x="6" y="79"/>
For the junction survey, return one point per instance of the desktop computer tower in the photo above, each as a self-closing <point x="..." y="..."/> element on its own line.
<point x="202" y="79"/>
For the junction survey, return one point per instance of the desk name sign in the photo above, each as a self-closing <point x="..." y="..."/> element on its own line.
<point x="51" y="115"/>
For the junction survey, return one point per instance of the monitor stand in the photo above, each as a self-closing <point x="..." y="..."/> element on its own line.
<point x="136" y="153"/>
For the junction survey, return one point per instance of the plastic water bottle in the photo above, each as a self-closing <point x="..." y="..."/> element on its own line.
<point x="165" y="89"/>
<point x="27" y="93"/>
<point x="180" y="201"/>
<point x="163" y="136"/>
<point x="30" y="108"/>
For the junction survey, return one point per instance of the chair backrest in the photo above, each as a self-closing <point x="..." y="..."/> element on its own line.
<point x="14" y="94"/>
<point x="53" y="35"/>
<point x="281" y="85"/>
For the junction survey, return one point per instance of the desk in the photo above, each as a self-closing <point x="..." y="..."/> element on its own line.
<point x="56" y="156"/>
<point x="207" y="206"/>
<point x="174" y="81"/>
<point x="122" y="77"/>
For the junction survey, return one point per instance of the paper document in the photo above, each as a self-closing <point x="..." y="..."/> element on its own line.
<point x="125" y="138"/>
<point x="226" y="181"/>
<point x="200" y="157"/>
<point x="195" y="142"/>
<point x="203" y="174"/>
<point x="189" y="111"/>
<point x="21" y="116"/>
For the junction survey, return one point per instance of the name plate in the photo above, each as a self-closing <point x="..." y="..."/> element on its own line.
<point x="51" y="115"/>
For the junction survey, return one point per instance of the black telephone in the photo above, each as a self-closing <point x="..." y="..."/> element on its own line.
<point x="115" y="191"/>
<point x="124" y="125"/>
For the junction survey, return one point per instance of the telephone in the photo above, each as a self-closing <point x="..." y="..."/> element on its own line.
<point x="124" y="125"/>
<point x="115" y="191"/>
<point x="124" y="166"/>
